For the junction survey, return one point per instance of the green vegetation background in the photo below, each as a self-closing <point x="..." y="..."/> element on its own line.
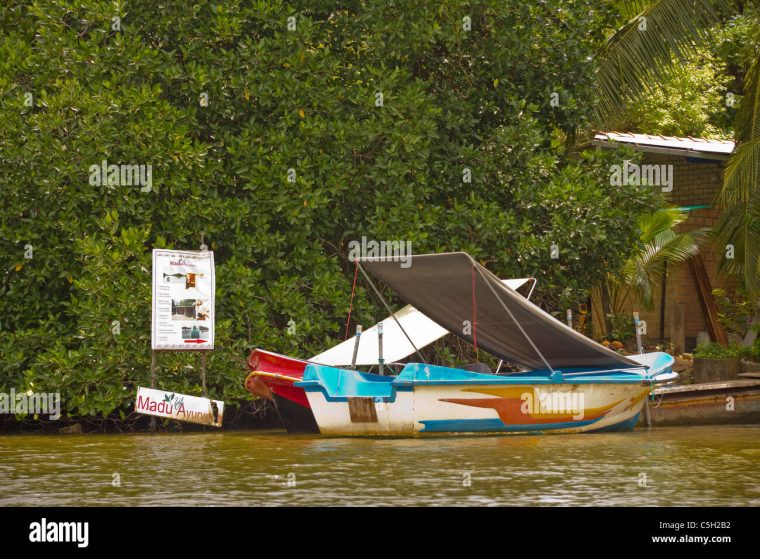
<point x="280" y="99"/>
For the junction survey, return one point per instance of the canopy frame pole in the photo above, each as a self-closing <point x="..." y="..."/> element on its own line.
<point x="474" y="317"/>
<point x="534" y="282"/>
<point x="393" y="315"/>
<point x="351" y="304"/>
<point x="488" y="283"/>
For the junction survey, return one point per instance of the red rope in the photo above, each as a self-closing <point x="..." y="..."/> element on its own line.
<point x="351" y="304"/>
<point x="474" y="315"/>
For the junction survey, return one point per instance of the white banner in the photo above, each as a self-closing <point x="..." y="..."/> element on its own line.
<point x="183" y="299"/>
<point x="179" y="406"/>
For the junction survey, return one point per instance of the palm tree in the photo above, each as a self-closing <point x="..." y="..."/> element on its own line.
<point x="633" y="61"/>
<point x="660" y="246"/>
<point x="739" y="227"/>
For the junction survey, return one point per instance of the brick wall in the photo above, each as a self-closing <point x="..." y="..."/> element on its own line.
<point x="694" y="183"/>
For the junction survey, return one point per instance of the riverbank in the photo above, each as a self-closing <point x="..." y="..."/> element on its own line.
<point x="249" y="414"/>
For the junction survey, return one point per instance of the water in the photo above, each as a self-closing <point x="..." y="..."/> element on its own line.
<point x="715" y="465"/>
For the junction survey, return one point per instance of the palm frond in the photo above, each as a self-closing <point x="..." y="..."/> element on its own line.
<point x="748" y="116"/>
<point x="740" y="177"/>
<point x="737" y="234"/>
<point x="642" y="272"/>
<point x="634" y="59"/>
<point x="738" y="229"/>
<point x="657" y="222"/>
<point x="629" y="9"/>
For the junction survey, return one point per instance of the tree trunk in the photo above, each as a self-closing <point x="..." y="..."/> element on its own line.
<point x="604" y="292"/>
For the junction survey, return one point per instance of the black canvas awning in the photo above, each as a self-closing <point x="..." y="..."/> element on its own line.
<point x="454" y="290"/>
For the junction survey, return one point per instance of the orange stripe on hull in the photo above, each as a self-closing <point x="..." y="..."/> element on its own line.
<point x="510" y="403"/>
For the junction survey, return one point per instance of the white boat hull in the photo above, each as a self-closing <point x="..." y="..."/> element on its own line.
<point x="510" y="409"/>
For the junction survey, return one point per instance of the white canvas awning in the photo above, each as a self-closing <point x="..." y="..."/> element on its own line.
<point x="422" y="330"/>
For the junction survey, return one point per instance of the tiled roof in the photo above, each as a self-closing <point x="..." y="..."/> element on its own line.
<point x="695" y="147"/>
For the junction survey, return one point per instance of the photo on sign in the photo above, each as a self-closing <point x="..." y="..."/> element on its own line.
<point x="190" y="309"/>
<point x="194" y="332"/>
<point x="189" y="279"/>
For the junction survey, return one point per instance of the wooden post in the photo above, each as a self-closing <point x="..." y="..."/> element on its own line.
<point x="677" y="313"/>
<point x="706" y="300"/>
<point x="663" y="301"/>
<point x="203" y="373"/>
<point x="647" y="413"/>
<point x="153" y="385"/>
<point x="356" y="345"/>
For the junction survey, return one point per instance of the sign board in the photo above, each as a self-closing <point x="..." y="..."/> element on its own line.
<point x="179" y="406"/>
<point x="183" y="300"/>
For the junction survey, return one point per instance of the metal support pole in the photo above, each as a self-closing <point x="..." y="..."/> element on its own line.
<point x="393" y="315"/>
<point x="570" y="317"/>
<point x="380" y="360"/>
<point x="482" y="271"/>
<point x="636" y="323"/>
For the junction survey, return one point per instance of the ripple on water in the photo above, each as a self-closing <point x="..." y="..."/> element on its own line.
<point x="715" y="465"/>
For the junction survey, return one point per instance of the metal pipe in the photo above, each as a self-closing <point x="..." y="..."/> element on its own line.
<point x="636" y="323"/>
<point x="380" y="360"/>
<point x="662" y="301"/>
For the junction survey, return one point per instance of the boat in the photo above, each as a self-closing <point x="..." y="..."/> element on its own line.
<point x="568" y="382"/>
<point x="273" y="376"/>
<point x="729" y="402"/>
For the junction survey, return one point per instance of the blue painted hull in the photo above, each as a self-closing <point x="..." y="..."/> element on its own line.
<point x="426" y="399"/>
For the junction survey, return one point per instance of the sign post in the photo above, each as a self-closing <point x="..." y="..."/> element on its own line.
<point x="152" y="384"/>
<point x="182" y="320"/>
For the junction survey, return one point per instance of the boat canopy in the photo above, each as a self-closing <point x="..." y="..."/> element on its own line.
<point x="456" y="292"/>
<point x="396" y="345"/>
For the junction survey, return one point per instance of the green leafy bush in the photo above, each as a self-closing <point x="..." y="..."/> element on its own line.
<point x="75" y="90"/>
<point x="716" y="351"/>
<point x="735" y="312"/>
<point x="623" y="327"/>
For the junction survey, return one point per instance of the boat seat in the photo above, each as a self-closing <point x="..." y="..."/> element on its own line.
<point x="477" y="368"/>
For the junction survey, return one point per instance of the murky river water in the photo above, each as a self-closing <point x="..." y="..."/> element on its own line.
<point x="716" y="465"/>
